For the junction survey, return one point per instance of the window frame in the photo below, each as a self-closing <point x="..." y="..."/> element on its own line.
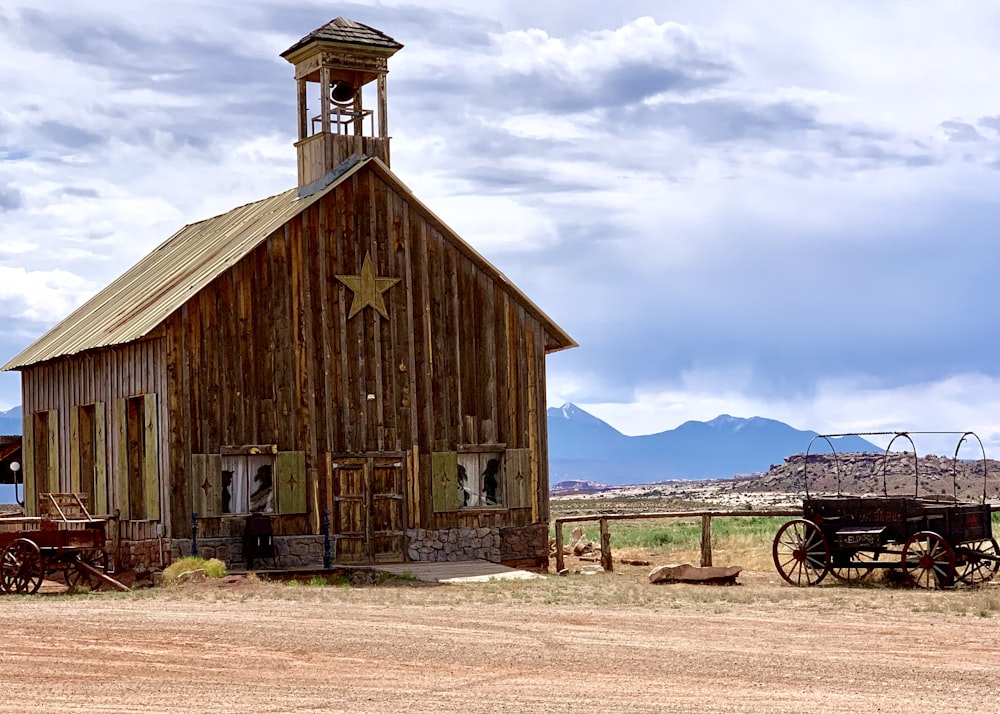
<point x="473" y="489"/>
<point x="244" y="472"/>
<point x="288" y="473"/>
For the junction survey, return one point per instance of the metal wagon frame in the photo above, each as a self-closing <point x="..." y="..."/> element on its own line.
<point x="935" y="542"/>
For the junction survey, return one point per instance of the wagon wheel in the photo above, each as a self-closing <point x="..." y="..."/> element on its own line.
<point x="928" y="561"/>
<point x="75" y="577"/>
<point x="800" y="553"/>
<point x="855" y="573"/>
<point x="977" y="569"/>
<point x="21" y="567"/>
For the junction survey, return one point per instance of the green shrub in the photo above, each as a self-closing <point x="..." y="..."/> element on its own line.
<point x="213" y="568"/>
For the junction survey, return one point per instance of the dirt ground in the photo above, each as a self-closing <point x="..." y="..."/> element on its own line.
<point x="600" y="643"/>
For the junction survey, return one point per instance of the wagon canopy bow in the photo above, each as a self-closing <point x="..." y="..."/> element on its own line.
<point x="963" y="436"/>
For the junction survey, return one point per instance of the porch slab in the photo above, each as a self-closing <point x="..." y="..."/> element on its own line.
<point x="465" y="571"/>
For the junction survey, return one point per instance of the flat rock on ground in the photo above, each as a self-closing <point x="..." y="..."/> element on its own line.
<point x="687" y="573"/>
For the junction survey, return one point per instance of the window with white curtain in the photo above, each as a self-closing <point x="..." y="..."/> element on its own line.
<point x="247" y="483"/>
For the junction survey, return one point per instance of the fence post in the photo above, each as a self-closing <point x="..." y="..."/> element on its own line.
<point x="706" y="541"/>
<point x="560" y="560"/>
<point x="194" y="534"/>
<point x="607" y="562"/>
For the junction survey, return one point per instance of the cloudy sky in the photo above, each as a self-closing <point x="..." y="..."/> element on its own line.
<point x="768" y="208"/>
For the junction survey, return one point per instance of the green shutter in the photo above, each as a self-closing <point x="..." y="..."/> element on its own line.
<point x="53" y="475"/>
<point x="444" y="481"/>
<point x="517" y="473"/>
<point x="120" y="420"/>
<point x="151" y="460"/>
<point x="75" y="485"/>
<point x="100" y="475"/>
<point x="291" y="474"/>
<point x="206" y="484"/>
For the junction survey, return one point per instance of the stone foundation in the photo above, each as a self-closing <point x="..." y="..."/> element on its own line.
<point x="293" y="551"/>
<point x="526" y="547"/>
<point x="145" y="555"/>
<point x="453" y="544"/>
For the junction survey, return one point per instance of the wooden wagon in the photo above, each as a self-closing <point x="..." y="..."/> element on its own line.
<point x="65" y="540"/>
<point x="934" y="542"/>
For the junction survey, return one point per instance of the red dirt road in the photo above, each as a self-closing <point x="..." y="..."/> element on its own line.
<point x="510" y="647"/>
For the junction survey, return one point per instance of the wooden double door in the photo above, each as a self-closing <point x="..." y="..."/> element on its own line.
<point x="368" y="511"/>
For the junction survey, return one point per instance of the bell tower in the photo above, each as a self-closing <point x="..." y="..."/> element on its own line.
<point x="332" y="66"/>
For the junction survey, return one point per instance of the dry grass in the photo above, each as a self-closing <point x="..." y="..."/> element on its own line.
<point x="625" y="588"/>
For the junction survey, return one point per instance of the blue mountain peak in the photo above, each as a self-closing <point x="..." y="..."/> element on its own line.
<point x="571" y="412"/>
<point x="724" y="420"/>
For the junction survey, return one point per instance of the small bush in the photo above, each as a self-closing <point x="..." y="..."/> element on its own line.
<point x="213" y="568"/>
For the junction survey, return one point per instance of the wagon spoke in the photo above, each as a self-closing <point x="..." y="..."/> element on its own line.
<point x="21" y="567"/>
<point x="800" y="553"/>
<point x="979" y="562"/>
<point x="928" y="560"/>
<point x="852" y="567"/>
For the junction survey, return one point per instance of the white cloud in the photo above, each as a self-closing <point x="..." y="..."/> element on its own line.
<point x="43" y="296"/>
<point x="578" y="59"/>
<point x="492" y="224"/>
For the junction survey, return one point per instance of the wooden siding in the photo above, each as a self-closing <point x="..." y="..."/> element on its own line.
<point x="106" y="377"/>
<point x="267" y="354"/>
<point x="321" y="153"/>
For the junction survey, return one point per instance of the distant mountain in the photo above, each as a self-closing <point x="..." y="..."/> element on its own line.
<point x="10" y="421"/>
<point x="584" y="448"/>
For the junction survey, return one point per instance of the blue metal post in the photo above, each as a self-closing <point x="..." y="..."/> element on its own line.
<point x="194" y="533"/>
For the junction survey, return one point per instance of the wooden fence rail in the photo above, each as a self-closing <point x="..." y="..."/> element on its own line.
<point x="706" y="529"/>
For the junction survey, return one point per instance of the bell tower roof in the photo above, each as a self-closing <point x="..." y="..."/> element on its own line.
<point x="342" y="31"/>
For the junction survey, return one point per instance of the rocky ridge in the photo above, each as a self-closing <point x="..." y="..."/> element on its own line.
<point x="864" y="473"/>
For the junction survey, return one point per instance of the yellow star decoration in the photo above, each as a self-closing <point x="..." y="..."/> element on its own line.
<point x="367" y="288"/>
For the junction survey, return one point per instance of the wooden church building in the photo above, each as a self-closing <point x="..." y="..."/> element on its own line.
<point x="333" y="359"/>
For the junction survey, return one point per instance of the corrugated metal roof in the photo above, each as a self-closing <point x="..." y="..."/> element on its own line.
<point x="135" y="304"/>
<point x="349" y="32"/>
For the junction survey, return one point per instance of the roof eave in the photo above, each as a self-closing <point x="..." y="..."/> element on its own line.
<point x="296" y="54"/>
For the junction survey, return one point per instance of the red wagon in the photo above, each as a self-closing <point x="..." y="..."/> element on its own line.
<point x="65" y="540"/>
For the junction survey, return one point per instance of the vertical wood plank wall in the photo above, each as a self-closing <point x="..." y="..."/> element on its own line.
<point x="106" y="376"/>
<point x="266" y="354"/>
